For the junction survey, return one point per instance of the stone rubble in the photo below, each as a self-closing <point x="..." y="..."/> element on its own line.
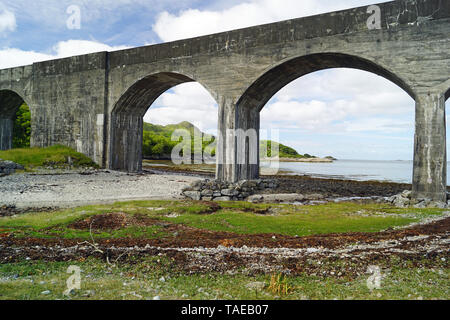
<point x="404" y="200"/>
<point x="208" y="190"/>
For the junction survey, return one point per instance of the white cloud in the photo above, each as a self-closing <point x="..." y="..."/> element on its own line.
<point x="186" y="102"/>
<point x="193" y="22"/>
<point x="340" y="100"/>
<point x="11" y="57"/>
<point x="78" y="47"/>
<point x="7" y="21"/>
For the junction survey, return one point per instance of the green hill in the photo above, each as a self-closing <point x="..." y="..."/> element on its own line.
<point x="157" y="143"/>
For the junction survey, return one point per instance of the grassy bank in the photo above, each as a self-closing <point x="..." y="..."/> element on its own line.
<point x="55" y="156"/>
<point x="235" y="217"/>
<point x="143" y="279"/>
<point x="145" y="276"/>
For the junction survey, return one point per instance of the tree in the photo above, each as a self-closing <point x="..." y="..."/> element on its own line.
<point x="22" y="127"/>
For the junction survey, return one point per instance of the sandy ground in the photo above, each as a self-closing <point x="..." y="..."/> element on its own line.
<point x="70" y="189"/>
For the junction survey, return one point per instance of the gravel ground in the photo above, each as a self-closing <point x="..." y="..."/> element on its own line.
<point x="71" y="189"/>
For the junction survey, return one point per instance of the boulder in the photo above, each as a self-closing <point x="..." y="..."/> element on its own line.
<point x="9" y="167"/>
<point x="222" y="199"/>
<point x="229" y="192"/>
<point x="194" y="195"/>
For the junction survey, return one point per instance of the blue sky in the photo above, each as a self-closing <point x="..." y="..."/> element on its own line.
<point x="349" y="114"/>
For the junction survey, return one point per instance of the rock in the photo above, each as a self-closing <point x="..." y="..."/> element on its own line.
<point x="229" y="192"/>
<point x="194" y="195"/>
<point x="314" y="196"/>
<point x="401" y="202"/>
<point x="271" y="198"/>
<point x="207" y="193"/>
<point x="255" y="198"/>
<point x="256" y="285"/>
<point x="46" y="292"/>
<point x="9" y="167"/>
<point x="88" y="293"/>
<point x="420" y="205"/>
<point x="407" y="194"/>
<point x="438" y="204"/>
<point x="157" y="298"/>
<point x="222" y="199"/>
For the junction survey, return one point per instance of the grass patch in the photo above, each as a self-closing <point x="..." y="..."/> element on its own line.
<point x="303" y="221"/>
<point x="55" y="156"/>
<point x="236" y="217"/>
<point x="141" y="280"/>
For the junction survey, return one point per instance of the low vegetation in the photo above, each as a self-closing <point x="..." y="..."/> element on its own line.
<point x="146" y="276"/>
<point x="240" y="218"/>
<point x="157" y="276"/>
<point x="22" y="127"/>
<point x="55" y="157"/>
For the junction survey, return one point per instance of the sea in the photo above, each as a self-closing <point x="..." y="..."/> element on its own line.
<point x="360" y="170"/>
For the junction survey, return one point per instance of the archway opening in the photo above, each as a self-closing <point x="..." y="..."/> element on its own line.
<point x="317" y="119"/>
<point x="340" y="127"/>
<point x="15" y="121"/>
<point x="148" y="114"/>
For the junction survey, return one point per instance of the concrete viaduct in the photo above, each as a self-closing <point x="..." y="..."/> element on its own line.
<point x="95" y="103"/>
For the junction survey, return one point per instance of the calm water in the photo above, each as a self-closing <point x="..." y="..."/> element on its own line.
<point x="362" y="170"/>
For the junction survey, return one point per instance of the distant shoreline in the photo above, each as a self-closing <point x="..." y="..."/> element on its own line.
<point x="310" y="160"/>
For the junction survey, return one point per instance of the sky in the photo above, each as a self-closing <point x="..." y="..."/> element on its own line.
<point x="346" y="113"/>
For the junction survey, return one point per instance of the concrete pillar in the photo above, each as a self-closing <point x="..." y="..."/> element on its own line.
<point x="6" y="133"/>
<point x="430" y="149"/>
<point x="238" y="145"/>
<point x="126" y="142"/>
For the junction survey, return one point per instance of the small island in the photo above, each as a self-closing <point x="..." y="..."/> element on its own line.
<point x="287" y="154"/>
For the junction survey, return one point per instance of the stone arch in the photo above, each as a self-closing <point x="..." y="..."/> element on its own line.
<point x="126" y="127"/>
<point x="10" y="101"/>
<point x="277" y="77"/>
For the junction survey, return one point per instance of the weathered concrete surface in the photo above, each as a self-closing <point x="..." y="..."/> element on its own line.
<point x="95" y="103"/>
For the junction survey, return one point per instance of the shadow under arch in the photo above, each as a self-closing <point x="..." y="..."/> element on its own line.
<point x="272" y="81"/>
<point x="447" y="94"/>
<point x="10" y="101"/>
<point x="126" y="130"/>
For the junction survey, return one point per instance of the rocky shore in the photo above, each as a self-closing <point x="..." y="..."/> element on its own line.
<point x="71" y="188"/>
